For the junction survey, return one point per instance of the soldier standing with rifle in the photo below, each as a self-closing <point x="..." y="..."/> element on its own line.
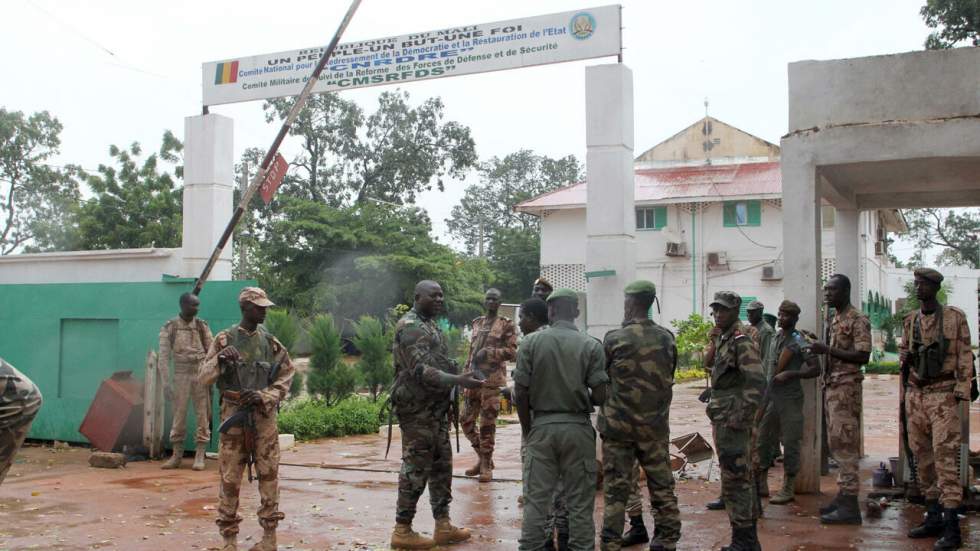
<point x="937" y="368"/>
<point x="494" y="342"/>
<point x="253" y="372"/>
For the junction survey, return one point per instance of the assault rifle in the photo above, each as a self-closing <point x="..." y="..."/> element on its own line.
<point x="245" y="418"/>
<point x="903" y="419"/>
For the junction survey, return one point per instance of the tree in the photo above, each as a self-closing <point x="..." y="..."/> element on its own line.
<point x="286" y="329"/>
<point x="692" y="338"/>
<point x="330" y="378"/>
<point x="958" y="22"/>
<point x="137" y="203"/>
<point x="375" y="364"/>
<point x="37" y="199"/>
<point x="390" y="155"/>
<point x="954" y="230"/>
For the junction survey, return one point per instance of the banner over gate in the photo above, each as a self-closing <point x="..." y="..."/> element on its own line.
<point x="554" y="38"/>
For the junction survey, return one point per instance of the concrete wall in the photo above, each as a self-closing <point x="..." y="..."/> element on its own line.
<point x="726" y="142"/>
<point x="92" y="266"/>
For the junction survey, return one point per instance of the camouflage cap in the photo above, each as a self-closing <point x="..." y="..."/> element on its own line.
<point x="929" y="274"/>
<point x="544" y="283"/>
<point x="563" y="293"/>
<point x="755" y="305"/>
<point x="640" y="286"/>
<point x="256" y="296"/>
<point x="728" y="299"/>
<point x="789" y="307"/>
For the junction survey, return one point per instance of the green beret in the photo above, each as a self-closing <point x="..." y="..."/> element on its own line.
<point x="755" y="305"/>
<point x="789" y="307"/>
<point x="728" y="299"/>
<point x="563" y="293"/>
<point x="929" y="274"/>
<point x="641" y="286"/>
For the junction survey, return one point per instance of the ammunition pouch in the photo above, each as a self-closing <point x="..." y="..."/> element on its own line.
<point x="929" y="361"/>
<point x="242" y="376"/>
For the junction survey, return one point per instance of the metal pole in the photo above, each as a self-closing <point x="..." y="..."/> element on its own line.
<point x="271" y="153"/>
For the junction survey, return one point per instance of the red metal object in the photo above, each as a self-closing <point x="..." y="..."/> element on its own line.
<point x="273" y="179"/>
<point x="115" y="417"/>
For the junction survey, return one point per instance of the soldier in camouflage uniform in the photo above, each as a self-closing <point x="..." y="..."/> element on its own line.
<point x="242" y="360"/>
<point x="737" y="383"/>
<point x="940" y="368"/>
<point x="493" y="343"/>
<point x="20" y="401"/>
<point x="187" y="339"/>
<point x="634" y="421"/>
<point x="848" y="350"/>
<point x="421" y="396"/>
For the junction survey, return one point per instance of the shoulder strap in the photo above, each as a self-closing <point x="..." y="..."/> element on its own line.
<point x="917" y="329"/>
<point x="942" y="331"/>
<point x="200" y="331"/>
<point x="172" y="325"/>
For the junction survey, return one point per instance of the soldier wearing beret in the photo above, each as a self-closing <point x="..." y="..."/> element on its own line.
<point x="542" y="289"/>
<point x="737" y="383"/>
<point x="938" y="360"/>
<point x="787" y="362"/>
<point x="634" y="421"/>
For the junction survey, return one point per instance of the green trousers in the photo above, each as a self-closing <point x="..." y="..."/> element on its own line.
<point x="782" y="422"/>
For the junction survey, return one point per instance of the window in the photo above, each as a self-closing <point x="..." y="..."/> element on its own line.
<point x="651" y="218"/>
<point x="742" y="213"/>
<point x="829" y="216"/>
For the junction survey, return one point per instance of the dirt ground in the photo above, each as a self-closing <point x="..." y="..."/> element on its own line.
<point x="340" y="494"/>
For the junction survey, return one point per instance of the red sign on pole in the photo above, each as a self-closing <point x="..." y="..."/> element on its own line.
<point x="273" y="178"/>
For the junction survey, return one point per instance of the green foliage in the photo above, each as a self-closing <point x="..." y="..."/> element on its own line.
<point x="296" y="387"/>
<point x="37" y="199"/>
<point x="283" y="327"/>
<point x="690" y="374"/>
<point x="312" y="418"/>
<point x="958" y="22"/>
<point x="692" y="339"/>
<point x="375" y="364"/>
<point x="330" y="379"/>
<point x="952" y="230"/>
<point x="459" y="348"/>
<point x="883" y="368"/>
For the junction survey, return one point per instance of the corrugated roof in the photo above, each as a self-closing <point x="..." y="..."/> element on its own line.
<point x="679" y="185"/>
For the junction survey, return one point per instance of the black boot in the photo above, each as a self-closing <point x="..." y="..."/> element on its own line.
<point x="951" y="532"/>
<point x="744" y="539"/>
<point x="832" y="506"/>
<point x="933" y="524"/>
<point x="716" y="505"/>
<point x="848" y="512"/>
<point x="562" y="541"/>
<point x="637" y="532"/>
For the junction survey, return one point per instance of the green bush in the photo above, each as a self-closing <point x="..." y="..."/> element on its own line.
<point x="283" y="326"/>
<point x="684" y="375"/>
<point x="692" y="340"/>
<point x="329" y="379"/>
<point x="375" y="364"/>
<point x="313" y="418"/>
<point x="883" y="368"/>
<point x="296" y="387"/>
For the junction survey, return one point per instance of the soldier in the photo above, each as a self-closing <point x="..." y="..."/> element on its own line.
<point x="737" y="383"/>
<point x="939" y="365"/>
<point x="764" y="332"/>
<point x="542" y="289"/>
<point x="556" y="369"/>
<point x="848" y="350"/>
<point x="421" y="397"/>
<point x="786" y="363"/>
<point x="253" y="372"/>
<point x="186" y="338"/>
<point x="494" y="342"/>
<point x="634" y="421"/>
<point x="20" y="400"/>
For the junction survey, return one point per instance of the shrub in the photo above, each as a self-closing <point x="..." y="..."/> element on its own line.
<point x="692" y="339"/>
<point x="312" y="418"/>
<point x="883" y="368"/>
<point x="330" y="379"/>
<point x="283" y="326"/>
<point x="296" y="387"/>
<point x="684" y="375"/>
<point x="375" y="364"/>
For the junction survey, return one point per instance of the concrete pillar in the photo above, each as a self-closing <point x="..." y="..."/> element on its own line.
<point x="209" y="176"/>
<point x="847" y="242"/>
<point x="610" y="251"/>
<point x="801" y="284"/>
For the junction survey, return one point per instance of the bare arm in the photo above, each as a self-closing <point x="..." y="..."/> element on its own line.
<point x="599" y="393"/>
<point x="523" y="402"/>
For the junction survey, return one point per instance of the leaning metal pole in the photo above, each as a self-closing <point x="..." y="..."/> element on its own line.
<point x="271" y="153"/>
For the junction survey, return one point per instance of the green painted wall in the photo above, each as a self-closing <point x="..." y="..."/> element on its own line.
<point x="68" y="338"/>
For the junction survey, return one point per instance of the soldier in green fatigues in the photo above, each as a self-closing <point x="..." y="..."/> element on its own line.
<point x="634" y="421"/>
<point x="737" y="383"/>
<point x="557" y="368"/>
<point x="786" y="364"/>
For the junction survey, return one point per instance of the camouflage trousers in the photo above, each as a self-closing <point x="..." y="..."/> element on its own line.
<point x="427" y="459"/>
<point x="231" y="466"/>
<point x="842" y="403"/>
<point x="738" y="489"/>
<point x="935" y="436"/>
<point x="782" y="422"/>
<point x="634" y="505"/>
<point x="480" y="407"/>
<point x="11" y="439"/>
<point x="620" y="459"/>
<point x="185" y="389"/>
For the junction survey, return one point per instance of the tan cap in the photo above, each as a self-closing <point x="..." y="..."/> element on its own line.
<point x="256" y="296"/>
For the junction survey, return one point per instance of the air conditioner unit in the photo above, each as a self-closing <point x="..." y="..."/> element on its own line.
<point x="881" y="248"/>
<point x="772" y="273"/>
<point x="676" y="249"/>
<point x="717" y="260"/>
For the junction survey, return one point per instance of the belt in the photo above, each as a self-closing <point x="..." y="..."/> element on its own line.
<point x="915" y="380"/>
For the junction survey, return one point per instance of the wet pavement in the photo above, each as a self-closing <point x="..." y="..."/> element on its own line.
<point x="340" y="494"/>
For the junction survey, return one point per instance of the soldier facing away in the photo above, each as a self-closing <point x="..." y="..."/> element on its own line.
<point x="492" y="344"/>
<point x="421" y="397"/>
<point x="20" y="400"/>
<point x="186" y="339"/>
<point x="737" y="384"/>
<point x="253" y="372"/>
<point x="641" y="358"/>
<point x="938" y="360"/>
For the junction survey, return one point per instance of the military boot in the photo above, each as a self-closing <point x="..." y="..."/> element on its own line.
<point x="486" y="468"/>
<point x="787" y="493"/>
<point x="933" y="525"/>
<point x="267" y="543"/>
<point x="403" y="537"/>
<point x="175" y="459"/>
<point x="832" y="506"/>
<point x="848" y="512"/>
<point x="561" y="541"/>
<point x="744" y="539"/>
<point x="231" y="543"/>
<point x="445" y="533"/>
<point x="951" y="532"/>
<point x="475" y="469"/>
<point x="762" y="483"/>
<point x="637" y="532"/>
<point x="716" y="505"/>
<point x="199" y="458"/>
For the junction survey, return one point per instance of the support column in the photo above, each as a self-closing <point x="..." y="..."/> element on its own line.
<point x="209" y="177"/>
<point x="610" y="253"/>
<point x="801" y="284"/>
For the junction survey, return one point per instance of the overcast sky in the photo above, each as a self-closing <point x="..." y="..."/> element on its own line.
<point x="115" y="72"/>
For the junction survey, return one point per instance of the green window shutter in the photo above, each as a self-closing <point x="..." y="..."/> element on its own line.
<point x="728" y="215"/>
<point x="755" y="213"/>
<point x="660" y="218"/>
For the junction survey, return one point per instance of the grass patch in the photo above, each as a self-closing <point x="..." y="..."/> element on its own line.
<point x="685" y="375"/>
<point x="883" y="368"/>
<point x="311" y="418"/>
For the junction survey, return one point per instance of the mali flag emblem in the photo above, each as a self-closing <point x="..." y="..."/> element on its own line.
<point x="226" y="73"/>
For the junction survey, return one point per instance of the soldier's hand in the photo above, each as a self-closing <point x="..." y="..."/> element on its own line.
<point x="229" y="354"/>
<point x="818" y="347"/>
<point x="781" y="378"/>
<point x="251" y="398"/>
<point x="467" y="380"/>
